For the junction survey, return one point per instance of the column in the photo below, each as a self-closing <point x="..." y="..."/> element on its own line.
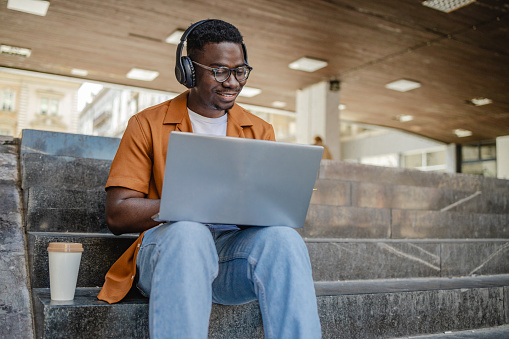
<point x="318" y="115"/>
<point x="23" y="109"/>
<point x="503" y="157"/>
<point x="451" y="158"/>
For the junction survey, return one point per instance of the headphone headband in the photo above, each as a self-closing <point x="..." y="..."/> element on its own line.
<point x="191" y="28"/>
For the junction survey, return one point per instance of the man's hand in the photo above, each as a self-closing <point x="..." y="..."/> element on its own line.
<point x="129" y="211"/>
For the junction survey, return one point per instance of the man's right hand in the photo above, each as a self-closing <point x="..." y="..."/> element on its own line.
<point x="129" y="211"/>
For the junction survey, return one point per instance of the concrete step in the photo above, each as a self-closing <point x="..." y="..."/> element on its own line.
<point x="68" y="144"/>
<point x="325" y="221"/>
<point x="331" y="259"/>
<point x="498" y="332"/>
<point x="376" y="195"/>
<point x="49" y="209"/>
<point x="334" y="169"/>
<point x="375" y="309"/>
<point x="63" y="171"/>
<point x="100" y="252"/>
<point x="431" y="224"/>
<point x="355" y="259"/>
<point x="93" y="147"/>
<point x="81" y="173"/>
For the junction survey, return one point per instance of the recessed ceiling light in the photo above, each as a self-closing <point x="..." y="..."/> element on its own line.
<point x="403" y="85"/>
<point x="37" y="7"/>
<point x="308" y="64"/>
<point x="279" y="104"/>
<point x="446" y="6"/>
<point x="20" y="51"/>
<point x="80" y="72"/>
<point x="461" y="133"/>
<point x="249" y="92"/>
<point x="341" y="107"/>
<point x="481" y="101"/>
<point x="142" y="74"/>
<point x="174" y="38"/>
<point x="404" y="117"/>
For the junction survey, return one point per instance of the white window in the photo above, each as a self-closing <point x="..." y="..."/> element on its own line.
<point x="8" y="97"/>
<point x="426" y="160"/>
<point x="4" y="131"/>
<point x="479" y="159"/>
<point x="49" y="106"/>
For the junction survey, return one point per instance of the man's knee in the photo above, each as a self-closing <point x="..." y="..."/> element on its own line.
<point x="185" y="233"/>
<point x="284" y="239"/>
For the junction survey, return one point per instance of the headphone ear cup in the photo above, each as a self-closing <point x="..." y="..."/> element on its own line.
<point x="179" y="74"/>
<point x="189" y="73"/>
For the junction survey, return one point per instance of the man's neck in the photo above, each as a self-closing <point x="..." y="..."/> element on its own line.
<point x="211" y="115"/>
<point x="208" y="113"/>
<point x="205" y="110"/>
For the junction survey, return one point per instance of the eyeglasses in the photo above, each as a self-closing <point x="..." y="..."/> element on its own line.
<point x="221" y="74"/>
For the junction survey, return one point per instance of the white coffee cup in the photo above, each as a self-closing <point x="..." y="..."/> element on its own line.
<point x="64" y="265"/>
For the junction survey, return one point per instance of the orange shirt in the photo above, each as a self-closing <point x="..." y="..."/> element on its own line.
<point x="140" y="161"/>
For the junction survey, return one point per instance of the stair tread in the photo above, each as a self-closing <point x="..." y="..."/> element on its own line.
<point x="351" y="287"/>
<point x="87" y="296"/>
<point x="307" y="239"/>
<point x="335" y="169"/>
<point x="498" y="332"/>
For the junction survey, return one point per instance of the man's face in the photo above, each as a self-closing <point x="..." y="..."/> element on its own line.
<point x="209" y="97"/>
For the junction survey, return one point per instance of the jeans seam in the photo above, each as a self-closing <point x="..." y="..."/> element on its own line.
<point x="215" y="273"/>
<point x="261" y="288"/>
<point x="141" y="291"/>
<point x="233" y="257"/>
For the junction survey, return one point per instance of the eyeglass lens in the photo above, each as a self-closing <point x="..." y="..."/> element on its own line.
<point x="221" y="74"/>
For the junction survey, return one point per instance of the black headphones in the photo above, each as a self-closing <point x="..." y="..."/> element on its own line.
<point x="184" y="69"/>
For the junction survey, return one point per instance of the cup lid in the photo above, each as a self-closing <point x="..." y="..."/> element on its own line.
<point x="65" y="247"/>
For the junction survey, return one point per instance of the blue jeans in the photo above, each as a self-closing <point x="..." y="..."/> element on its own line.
<point x="185" y="266"/>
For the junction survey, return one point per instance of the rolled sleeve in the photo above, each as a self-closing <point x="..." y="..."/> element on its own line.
<point x="132" y="166"/>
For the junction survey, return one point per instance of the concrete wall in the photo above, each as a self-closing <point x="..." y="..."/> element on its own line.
<point x="15" y="308"/>
<point x="385" y="143"/>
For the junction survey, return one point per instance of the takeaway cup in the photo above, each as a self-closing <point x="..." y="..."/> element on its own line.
<point x="64" y="264"/>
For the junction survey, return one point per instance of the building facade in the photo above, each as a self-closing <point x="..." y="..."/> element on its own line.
<point x="35" y="102"/>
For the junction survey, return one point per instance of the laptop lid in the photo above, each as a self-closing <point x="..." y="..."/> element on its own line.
<point x="238" y="181"/>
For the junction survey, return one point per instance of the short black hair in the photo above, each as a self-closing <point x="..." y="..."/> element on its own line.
<point x="214" y="31"/>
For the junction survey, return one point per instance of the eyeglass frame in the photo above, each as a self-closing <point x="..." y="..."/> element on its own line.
<point x="230" y="70"/>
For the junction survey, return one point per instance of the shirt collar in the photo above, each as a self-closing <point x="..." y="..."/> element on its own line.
<point x="177" y="114"/>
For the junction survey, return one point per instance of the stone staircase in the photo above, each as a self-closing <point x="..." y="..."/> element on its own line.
<point x="395" y="253"/>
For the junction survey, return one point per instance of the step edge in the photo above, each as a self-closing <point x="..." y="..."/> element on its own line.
<point x="351" y="287"/>
<point x="378" y="286"/>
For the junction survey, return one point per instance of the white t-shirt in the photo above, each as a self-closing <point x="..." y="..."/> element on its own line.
<point x="210" y="126"/>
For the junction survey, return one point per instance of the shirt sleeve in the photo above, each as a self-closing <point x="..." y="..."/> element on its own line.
<point x="271" y="135"/>
<point x="132" y="166"/>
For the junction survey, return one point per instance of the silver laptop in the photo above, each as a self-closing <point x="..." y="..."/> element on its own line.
<point x="237" y="181"/>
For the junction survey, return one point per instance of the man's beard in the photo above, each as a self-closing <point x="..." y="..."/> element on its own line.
<point x="222" y="108"/>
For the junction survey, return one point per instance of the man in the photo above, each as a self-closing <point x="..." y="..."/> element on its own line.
<point x="185" y="266"/>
